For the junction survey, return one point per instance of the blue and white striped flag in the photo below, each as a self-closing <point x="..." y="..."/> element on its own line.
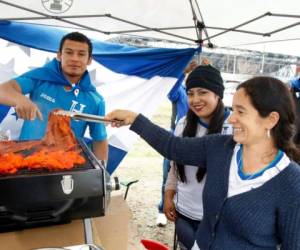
<point x="127" y="77"/>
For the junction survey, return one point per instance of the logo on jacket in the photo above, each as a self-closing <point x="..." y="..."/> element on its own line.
<point x="48" y="98"/>
<point x="75" y="108"/>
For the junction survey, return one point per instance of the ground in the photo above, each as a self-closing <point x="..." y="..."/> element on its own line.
<point x="145" y="165"/>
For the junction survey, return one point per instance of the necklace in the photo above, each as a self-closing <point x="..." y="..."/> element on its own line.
<point x="244" y="176"/>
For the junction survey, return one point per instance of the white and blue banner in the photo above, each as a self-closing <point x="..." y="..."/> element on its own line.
<point x="127" y="77"/>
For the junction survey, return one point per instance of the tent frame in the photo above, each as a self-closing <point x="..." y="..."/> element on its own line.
<point x="199" y="24"/>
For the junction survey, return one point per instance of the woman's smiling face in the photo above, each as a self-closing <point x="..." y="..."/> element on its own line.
<point x="202" y="102"/>
<point x="248" y="126"/>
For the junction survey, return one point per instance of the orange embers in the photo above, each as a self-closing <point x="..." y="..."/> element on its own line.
<point x="58" y="150"/>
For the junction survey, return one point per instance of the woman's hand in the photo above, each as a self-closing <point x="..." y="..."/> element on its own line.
<point x="121" y="117"/>
<point x="169" y="209"/>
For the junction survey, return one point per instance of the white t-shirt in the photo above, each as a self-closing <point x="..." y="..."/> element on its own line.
<point x="237" y="184"/>
<point x="188" y="197"/>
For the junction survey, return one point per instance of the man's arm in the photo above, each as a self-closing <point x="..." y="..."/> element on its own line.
<point x="100" y="149"/>
<point x="11" y="95"/>
<point x="10" y="91"/>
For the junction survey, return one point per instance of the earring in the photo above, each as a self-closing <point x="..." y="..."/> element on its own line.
<point x="268" y="133"/>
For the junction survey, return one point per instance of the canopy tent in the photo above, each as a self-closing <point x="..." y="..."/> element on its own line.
<point x="267" y="25"/>
<point x="127" y="77"/>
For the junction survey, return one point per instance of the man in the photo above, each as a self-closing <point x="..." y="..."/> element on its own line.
<point x="63" y="83"/>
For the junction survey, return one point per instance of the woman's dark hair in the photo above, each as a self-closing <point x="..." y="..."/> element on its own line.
<point x="77" y="37"/>
<point x="190" y="130"/>
<point x="269" y="94"/>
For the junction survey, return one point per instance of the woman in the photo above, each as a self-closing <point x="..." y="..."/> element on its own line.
<point x="206" y="115"/>
<point x="251" y="195"/>
<point x="178" y="97"/>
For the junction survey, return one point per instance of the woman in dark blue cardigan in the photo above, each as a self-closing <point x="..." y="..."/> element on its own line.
<point x="251" y="197"/>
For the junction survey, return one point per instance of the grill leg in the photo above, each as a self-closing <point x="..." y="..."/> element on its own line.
<point x="88" y="231"/>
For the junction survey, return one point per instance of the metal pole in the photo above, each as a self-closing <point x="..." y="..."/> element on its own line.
<point x="88" y="231"/>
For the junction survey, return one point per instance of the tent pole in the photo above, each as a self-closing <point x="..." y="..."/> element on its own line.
<point x="283" y="28"/>
<point x="91" y="28"/>
<point x="195" y="20"/>
<point x="52" y="17"/>
<point x="152" y="29"/>
<point x="198" y="25"/>
<point x="284" y="15"/>
<point x="240" y="25"/>
<point x="210" y="45"/>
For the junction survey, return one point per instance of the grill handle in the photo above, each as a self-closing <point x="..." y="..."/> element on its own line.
<point x="41" y="216"/>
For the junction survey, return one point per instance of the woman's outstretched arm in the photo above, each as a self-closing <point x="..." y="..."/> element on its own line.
<point x="187" y="151"/>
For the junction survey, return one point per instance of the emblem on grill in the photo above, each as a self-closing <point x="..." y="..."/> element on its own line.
<point x="67" y="184"/>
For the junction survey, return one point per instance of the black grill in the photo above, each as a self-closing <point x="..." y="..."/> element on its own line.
<point x="33" y="198"/>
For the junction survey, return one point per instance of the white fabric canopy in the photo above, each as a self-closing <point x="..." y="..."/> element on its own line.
<point x="177" y="13"/>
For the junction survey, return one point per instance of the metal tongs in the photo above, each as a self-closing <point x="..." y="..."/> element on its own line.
<point x="84" y="116"/>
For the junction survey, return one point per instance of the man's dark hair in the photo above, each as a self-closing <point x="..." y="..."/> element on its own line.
<point x="78" y="37"/>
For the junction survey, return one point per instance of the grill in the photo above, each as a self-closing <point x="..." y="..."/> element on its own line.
<point x="33" y="198"/>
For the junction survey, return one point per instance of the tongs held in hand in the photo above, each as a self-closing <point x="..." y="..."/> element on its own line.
<point x="84" y="116"/>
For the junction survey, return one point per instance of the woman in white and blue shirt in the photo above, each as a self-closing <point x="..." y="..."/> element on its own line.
<point x="206" y="115"/>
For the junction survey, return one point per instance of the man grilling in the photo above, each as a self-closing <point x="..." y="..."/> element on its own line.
<point x="63" y="83"/>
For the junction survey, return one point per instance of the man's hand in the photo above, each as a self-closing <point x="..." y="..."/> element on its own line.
<point x="11" y="95"/>
<point x="27" y="110"/>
